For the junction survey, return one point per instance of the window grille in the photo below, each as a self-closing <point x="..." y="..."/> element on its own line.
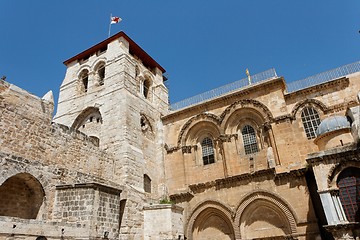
<point x="349" y="193"/>
<point x="207" y="151"/>
<point x="311" y="121"/>
<point x="249" y="139"/>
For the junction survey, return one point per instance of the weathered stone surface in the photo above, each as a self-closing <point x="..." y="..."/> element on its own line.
<point x="113" y="151"/>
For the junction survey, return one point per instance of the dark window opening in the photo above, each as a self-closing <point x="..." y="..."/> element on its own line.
<point x="101" y="73"/>
<point x="91" y="119"/>
<point x="146" y="88"/>
<point x="147" y="184"/>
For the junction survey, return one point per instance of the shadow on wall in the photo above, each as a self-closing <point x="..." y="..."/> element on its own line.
<point x="21" y="196"/>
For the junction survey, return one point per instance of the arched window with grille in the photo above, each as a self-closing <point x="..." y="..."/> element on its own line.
<point x="207" y="148"/>
<point x="249" y="139"/>
<point x="349" y="192"/>
<point x="311" y="120"/>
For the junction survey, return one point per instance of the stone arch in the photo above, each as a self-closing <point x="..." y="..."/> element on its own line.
<point x="21" y="196"/>
<point x="308" y="102"/>
<point x="83" y="79"/>
<point x="210" y="217"/>
<point x="337" y="169"/>
<point x="203" y="117"/>
<point x="99" y="69"/>
<point x="255" y="105"/>
<point x="257" y="202"/>
<point x="86" y="113"/>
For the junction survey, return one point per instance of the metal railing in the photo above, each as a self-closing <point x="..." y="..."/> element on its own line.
<point x="324" y="77"/>
<point x="226" y="89"/>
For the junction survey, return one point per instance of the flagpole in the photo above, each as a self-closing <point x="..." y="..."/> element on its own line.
<point x="110" y="24"/>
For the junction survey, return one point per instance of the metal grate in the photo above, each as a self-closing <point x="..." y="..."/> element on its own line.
<point x="249" y="139"/>
<point x="311" y="121"/>
<point x="349" y="192"/>
<point x="324" y="77"/>
<point x="207" y="151"/>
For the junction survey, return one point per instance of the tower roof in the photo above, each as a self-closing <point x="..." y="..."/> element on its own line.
<point x="134" y="49"/>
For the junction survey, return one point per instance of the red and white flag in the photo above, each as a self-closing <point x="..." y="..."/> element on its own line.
<point x="115" y="20"/>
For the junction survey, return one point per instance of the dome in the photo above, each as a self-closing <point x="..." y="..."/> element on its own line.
<point x="331" y="124"/>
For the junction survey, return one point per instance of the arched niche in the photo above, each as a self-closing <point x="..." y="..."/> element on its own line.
<point x="21" y="196"/>
<point x="313" y="103"/>
<point x="210" y="221"/>
<point x="263" y="215"/>
<point x="89" y="122"/>
<point x="243" y="116"/>
<point x="188" y="131"/>
<point x="262" y="219"/>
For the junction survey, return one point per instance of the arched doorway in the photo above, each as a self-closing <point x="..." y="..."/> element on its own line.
<point x="21" y="196"/>
<point x="263" y="219"/>
<point x="210" y="221"/>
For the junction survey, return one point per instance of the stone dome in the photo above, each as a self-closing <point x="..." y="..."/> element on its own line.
<point x="331" y="124"/>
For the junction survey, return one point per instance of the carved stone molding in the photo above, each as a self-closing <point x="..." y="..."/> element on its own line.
<point x="248" y="103"/>
<point x="187" y="149"/>
<point x="202" y="116"/>
<point x="226" y="137"/>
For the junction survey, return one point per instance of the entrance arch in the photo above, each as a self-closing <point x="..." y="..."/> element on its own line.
<point x="211" y="221"/>
<point x="263" y="215"/>
<point x="21" y="196"/>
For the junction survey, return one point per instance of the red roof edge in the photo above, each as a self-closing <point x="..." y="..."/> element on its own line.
<point x="134" y="49"/>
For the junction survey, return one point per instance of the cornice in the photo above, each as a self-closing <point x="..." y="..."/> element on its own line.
<point x="335" y="155"/>
<point x="340" y="82"/>
<point x="234" y="181"/>
<point x="203" y="106"/>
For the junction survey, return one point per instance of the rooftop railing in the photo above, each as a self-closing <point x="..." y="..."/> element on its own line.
<point x="223" y="90"/>
<point x="323" y="77"/>
<point x="269" y="74"/>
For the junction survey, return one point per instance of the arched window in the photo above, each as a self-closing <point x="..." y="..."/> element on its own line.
<point x="84" y="79"/>
<point x="147" y="183"/>
<point x="207" y="148"/>
<point x="146" y="88"/>
<point x="101" y="73"/>
<point x="349" y="193"/>
<point x="249" y="139"/>
<point x="311" y="121"/>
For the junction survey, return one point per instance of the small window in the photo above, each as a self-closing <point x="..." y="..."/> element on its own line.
<point x="146" y="88"/>
<point x="349" y="193"/>
<point x="84" y="78"/>
<point x="207" y="148"/>
<point x="311" y="121"/>
<point x="249" y="139"/>
<point x="147" y="183"/>
<point x="101" y="74"/>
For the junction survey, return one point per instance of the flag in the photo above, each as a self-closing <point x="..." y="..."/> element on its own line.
<point x="115" y="20"/>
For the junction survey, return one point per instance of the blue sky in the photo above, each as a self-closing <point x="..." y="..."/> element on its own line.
<point x="202" y="44"/>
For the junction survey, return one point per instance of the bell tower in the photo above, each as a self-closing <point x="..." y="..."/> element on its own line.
<point x="114" y="93"/>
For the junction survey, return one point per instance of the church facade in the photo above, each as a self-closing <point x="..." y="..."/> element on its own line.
<point x="255" y="159"/>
